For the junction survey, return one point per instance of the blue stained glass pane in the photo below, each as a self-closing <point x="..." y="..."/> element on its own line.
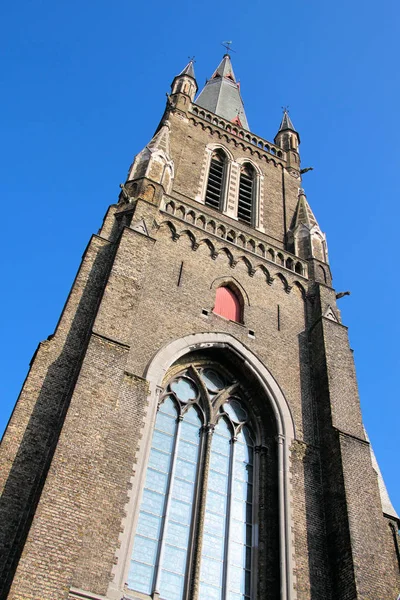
<point x="219" y="463"/>
<point x="168" y="407"/>
<point x="185" y="390"/>
<point x="140" y="577"/>
<point x="212" y="380"/>
<point x="213" y="546"/>
<point x="192" y="416"/>
<point x="221" y="444"/>
<point x="180" y="512"/>
<point x="165" y="423"/>
<point x="243" y="471"/>
<point x="162" y="441"/>
<point x="214" y="524"/>
<point x="238" y="531"/>
<point x="159" y="460"/>
<point x="211" y="571"/>
<point x="188" y="450"/>
<point x="238" y="510"/>
<point x="156" y="481"/>
<point x="177" y="534"/>
<point x="145" y="550"/>
<point x="190" y="432"/>
<point x="247" y="437"/>
<point x="174" y="559"/>
<point x="237" y="554"/>
<point x="217" y="481"/>
<point x="182" y="490"/>
<point x="236" y="578"/>
<point x="171" y="586"/>
<point x="235" y="596"/>
<point x="153" y="502"/>
<point x="185" y="470"/>
<point x="242" y="490"/>
<point x="234" y="409"/>
<point x="148" y="525"/>
<point x="207" y="592"/>
<point x="223" y="429"/>
<point x="216" y="502"/>
<point x="243" y="453"/>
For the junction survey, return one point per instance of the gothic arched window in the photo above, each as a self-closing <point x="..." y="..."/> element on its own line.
<point x="247" y="186"/>
<point x="198" y="494"/>
<point x="216" y="180"/>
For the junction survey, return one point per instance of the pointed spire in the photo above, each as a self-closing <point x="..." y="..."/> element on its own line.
<point x="160" y="140"/>
<point x="185" y="83"/>
<point x="189" y="69"/>
<point x="221" y="94"/>
<point x="304" y="215"/>
<point x="286" y="122"/>
<point x="285" y="138"/>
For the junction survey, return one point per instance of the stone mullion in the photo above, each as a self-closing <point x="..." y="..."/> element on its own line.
<point x="232" y="191"/>
<point x="208" y="430"/>
<point x="258" y="583"/>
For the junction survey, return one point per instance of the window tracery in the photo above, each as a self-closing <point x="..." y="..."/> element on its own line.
<point x="197" y="402"/>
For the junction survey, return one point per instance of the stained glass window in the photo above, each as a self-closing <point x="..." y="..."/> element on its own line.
<point x="165" y="531"/>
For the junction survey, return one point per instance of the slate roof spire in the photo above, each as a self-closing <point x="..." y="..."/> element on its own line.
<point x="189" y="69"/>
<point x="221" y="94"/>
<point x="287" y="125"/>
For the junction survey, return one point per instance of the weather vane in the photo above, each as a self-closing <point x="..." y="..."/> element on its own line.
<point x="191" y="59"/>
<point x="228" y="45"/>
<point x="285" y="108"/>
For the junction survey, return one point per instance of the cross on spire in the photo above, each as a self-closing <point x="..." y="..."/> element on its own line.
<point x="228" y="45"/>
<point x="191" y="59"/>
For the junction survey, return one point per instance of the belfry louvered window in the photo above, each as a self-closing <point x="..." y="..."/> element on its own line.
<point x="216" y="180"/>
<point x="246" y="194"/>
<point x="198" y="494"/>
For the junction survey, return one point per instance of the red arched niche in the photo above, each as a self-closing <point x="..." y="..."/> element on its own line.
<point x="227" y="304"/>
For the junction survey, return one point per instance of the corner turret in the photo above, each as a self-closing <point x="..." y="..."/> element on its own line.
<point x="307" y="241"/>
<point x="184" y="86"/>
<point x="288" y="139"/>
<point x="152" y="171"/>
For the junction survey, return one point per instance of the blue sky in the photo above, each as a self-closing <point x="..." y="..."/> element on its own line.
<point x="83" y="90"/>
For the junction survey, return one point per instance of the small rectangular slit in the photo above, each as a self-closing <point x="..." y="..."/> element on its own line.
<point x="180" y="274"/>
<point x="279" y="317"/>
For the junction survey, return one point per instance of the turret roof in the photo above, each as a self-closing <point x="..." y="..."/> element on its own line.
<point x="188" y="70"/>
<point x="304" y="215"/>
<point x="286" y="124"/>
<point x="221" y="94"/>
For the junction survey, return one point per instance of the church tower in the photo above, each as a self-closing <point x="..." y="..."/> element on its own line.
<point x="192" y="429"/>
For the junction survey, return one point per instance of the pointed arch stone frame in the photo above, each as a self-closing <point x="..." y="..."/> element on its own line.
<point x="258" y="208"/>
<point x="154" y="374"/>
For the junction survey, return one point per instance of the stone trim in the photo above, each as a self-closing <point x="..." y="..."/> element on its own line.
<point x="111" y="340"/>
<point x="78" y="594"/>
<point x="171" y="207"/>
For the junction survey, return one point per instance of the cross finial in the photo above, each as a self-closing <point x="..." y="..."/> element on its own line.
<point x="191" y="59"/>
<point x="228" y="45"/>
<point x="285" y="109"/>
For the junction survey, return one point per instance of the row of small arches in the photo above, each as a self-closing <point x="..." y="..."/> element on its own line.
<point x="233" y="261"/>
<point x="239" y="132"/>
<point x="240" y="240"/>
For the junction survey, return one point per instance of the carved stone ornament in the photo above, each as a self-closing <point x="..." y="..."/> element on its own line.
<point x="329" y="314"/>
